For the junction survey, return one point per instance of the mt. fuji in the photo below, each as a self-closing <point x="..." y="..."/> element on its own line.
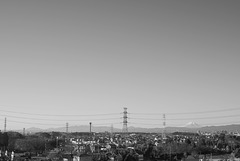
<point x="192" y="125"/>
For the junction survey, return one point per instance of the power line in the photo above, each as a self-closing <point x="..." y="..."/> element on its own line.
<point x="100" y="120"/>
<point x="143" y="123"/>
<point x="107" y="123"/>
<point x="181" y="125"/>
<point x="186" y="113"/>
<point x="31" y="123"/>
<point x="133" y="118"/>
<point x="199" y="118"/>
<point x="192" y="118"/>
<point x="104" y="114"/>
<point x="28" y="118"/>
<point x="221" y="123"/>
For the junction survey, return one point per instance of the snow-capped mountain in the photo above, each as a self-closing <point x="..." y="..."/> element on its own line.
<point x="192" y="125"/>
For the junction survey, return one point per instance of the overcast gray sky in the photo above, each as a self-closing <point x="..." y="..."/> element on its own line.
<point x="96" y="57"/>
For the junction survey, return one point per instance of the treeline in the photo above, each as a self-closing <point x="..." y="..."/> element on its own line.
<point x="35" y="143"/>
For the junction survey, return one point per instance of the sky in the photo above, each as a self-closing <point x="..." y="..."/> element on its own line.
<point x="84" y="61"/>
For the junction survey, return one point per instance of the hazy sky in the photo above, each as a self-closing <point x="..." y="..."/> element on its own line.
<point x="64" y="58"/>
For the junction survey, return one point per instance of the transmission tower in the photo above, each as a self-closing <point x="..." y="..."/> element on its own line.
<point x="67" y="127"/>
<point x="164" y="127"/>
<point x="5" y="124"/>
<point x="125" y="128"/>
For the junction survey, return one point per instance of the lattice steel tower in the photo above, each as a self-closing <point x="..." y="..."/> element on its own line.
<point x="67" y="127"/>
<point x="5" y="125"/>
<point x="125" y="127"/>
<point x="164" y="127"/>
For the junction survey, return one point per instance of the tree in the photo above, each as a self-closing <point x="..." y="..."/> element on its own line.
<point x="188" y="141"/>
<point x="30" y="145"/>
<point x="23" y="145"/>
<point x="44" y="135"/>
<point x="202" y="141"/>
<point x="12" y="137"/>
<point x="4" y="140"/>
<point x="38" y="144"/>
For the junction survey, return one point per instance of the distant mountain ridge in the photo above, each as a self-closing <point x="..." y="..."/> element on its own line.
<point x="189" y="128"/>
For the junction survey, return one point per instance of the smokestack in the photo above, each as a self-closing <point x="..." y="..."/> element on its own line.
<point x="90" y="123"/>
